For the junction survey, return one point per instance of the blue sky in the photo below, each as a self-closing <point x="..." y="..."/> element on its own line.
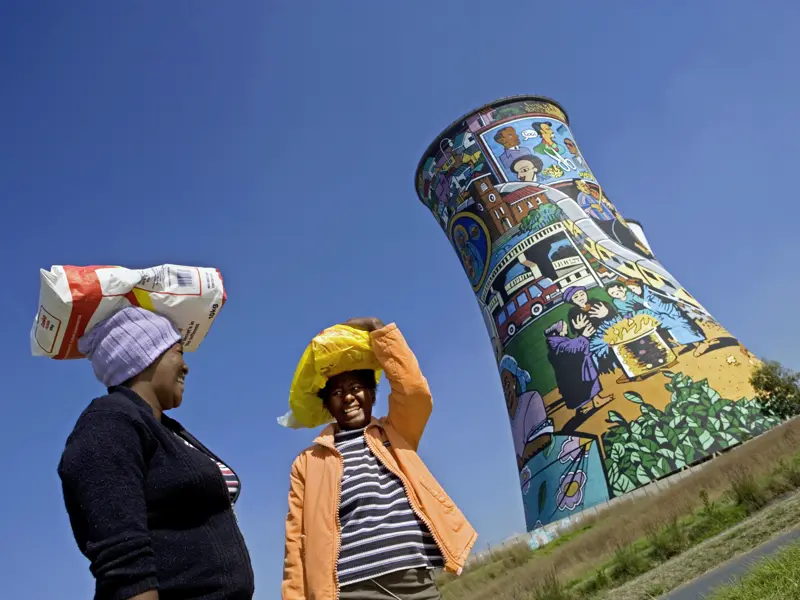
<point x="277" y="141"/>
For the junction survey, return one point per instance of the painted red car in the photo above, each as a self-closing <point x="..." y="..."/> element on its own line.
<point x="528" y="303"/>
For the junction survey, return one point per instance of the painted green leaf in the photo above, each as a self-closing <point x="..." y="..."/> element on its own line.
<point x="688" y="453"/>
<point x="705" y="401"/>
<point x="642" y="475"/>
<point x="615" y="417"/>
<point x="542" y="499"/>
<point x="706" y="440"/>
<point x="625" y="484"/>
<point x="668" y="453"/>
<point x="726" y="438"/>
<point x="680" y="459"/>
<point x="701" y="412"/>
<point x="691" y="439"/>
<point x="662" y="467"/>
<point x="634" y="397"/>
<point x="740" y="433"/>
<point x="694" y="398"/>
<point x="649" y="461"/>
<point x="666" y="435"/>
<point x="713" y="395"/>
<point x="648" y="445"/>
<point x="677" y="422"/>
<point x="726" y="424"/>
<point x="635" y="458"/>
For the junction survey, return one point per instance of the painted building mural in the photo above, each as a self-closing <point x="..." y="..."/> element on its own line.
<point x="613" y="374"/>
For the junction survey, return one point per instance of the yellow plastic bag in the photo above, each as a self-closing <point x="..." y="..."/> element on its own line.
<point x="337" y="349"/>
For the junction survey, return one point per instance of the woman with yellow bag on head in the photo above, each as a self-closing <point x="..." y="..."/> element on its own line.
<point x="366" y="518"/>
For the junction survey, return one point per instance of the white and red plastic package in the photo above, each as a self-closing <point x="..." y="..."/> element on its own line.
<point x="72" y="300"/>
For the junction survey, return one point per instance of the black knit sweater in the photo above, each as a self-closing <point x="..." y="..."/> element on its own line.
<point x="147" y="510"/>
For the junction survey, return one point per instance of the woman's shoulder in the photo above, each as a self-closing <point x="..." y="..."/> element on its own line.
<point x="113" y="410"/>
<point x="108" y="419"/>
<point x="313" y="452"/>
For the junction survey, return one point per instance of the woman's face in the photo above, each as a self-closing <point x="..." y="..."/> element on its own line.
<point x="580" y="298"/>
<point x="350" y="401"/>
<point x="509" y="388"/>
<point x="618" y="292"/>
<point x="169" y="374"/>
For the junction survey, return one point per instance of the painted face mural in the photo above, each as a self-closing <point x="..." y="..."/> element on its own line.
<point x="471" y="240"/>
<point x="612" y="374"/>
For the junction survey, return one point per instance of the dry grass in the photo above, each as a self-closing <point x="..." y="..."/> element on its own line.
<point x="628" y="523"/>
<point x="752" y="533"/>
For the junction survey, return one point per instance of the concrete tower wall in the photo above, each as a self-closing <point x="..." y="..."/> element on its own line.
<point x="613" y="374"/>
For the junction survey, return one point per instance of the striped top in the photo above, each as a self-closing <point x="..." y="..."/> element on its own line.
<point x="380" y="532"/>
<point x="231" y="480"/>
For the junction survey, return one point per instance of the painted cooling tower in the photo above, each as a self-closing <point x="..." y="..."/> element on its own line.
<point x="613" y="374"/>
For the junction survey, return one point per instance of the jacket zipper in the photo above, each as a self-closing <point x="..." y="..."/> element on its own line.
<point x="338" y="527"/>
<point x="419" y="514"/>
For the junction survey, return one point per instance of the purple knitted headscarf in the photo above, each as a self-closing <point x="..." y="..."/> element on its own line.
<point x="127" y="343"/>
<point x="571" y="291"/>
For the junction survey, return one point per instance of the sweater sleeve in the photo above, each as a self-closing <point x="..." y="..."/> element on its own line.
<point x="410" y="401"/>
<point x="102" y="473"/>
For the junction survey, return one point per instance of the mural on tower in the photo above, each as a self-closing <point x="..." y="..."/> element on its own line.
<point x="613" y="374"/>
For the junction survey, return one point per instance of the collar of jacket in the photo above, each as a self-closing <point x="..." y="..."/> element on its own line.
<point x="326" y="438"/>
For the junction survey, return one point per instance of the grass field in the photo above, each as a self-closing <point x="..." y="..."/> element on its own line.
<point x="637" y="537"/>
<point x="749" y="534"/>
<point x="776" y="578"/>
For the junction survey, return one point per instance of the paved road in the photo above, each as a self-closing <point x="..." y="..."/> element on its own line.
<point x="705" y="584"/>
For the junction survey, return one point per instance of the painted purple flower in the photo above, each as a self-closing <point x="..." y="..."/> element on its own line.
<point x="570" y="491"/>
<point x="525" y="479"/>
<point x="570" y="450"/>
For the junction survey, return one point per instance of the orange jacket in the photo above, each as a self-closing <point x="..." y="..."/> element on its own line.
<point x="312" y="525"/>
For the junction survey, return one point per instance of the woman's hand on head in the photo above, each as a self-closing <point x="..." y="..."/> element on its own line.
<point x="365" y="323"/>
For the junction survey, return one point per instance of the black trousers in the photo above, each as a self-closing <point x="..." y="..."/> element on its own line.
<point x="413" y="584"/>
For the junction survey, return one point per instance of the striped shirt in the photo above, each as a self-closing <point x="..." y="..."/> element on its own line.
<point x="380" y="532"/>
<point x="231" y="480"/>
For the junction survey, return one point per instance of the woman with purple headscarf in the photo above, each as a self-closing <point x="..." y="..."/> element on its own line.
<point x="586" y="310"/>
<point x="150" y="506"/>
<point x="576" y="374"/>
